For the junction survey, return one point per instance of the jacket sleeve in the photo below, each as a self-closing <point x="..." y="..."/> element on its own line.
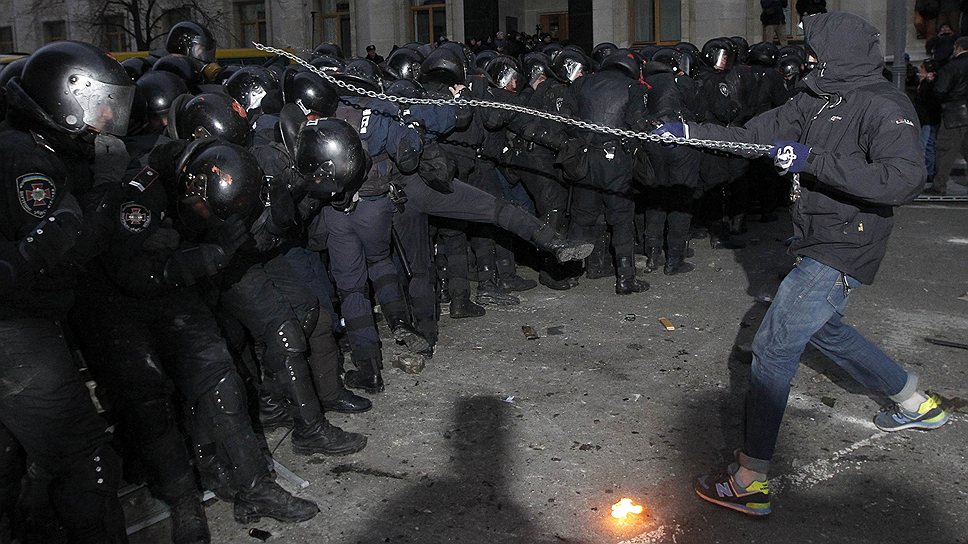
<point x="783" y="123"/>
<point x="943" y="85"/>
<point x="889" y="172"/>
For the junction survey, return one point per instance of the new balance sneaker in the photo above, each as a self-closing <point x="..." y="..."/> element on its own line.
<point x="721" y="489"/>
<point x="929" y="416"/>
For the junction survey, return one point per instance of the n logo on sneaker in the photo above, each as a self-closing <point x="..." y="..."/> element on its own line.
<point x="723" y="489"/>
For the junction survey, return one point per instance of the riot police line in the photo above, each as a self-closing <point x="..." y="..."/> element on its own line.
<point x="203" y="235"/>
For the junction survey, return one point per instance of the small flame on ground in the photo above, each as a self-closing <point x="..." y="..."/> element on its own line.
<point x="624" y="507"/>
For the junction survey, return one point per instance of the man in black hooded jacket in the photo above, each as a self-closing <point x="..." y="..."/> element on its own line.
<point x="851" y="144"/>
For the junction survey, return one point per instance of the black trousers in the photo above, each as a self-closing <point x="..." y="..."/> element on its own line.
<point x="47" y="410"/>
<point x="607" y="188"/>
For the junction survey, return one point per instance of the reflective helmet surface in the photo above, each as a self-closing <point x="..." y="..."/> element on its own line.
<point x="763" y="54"/>
<point x="571" y="64"/>
<point x="625" y="61"/>
<point x="329" y="151"/>
<point x="218" y="180"/>
<point x="404" y="63"/>
<point x="328" y="49"/>
<point x="250" y="84"/>
<point x="212" y="115"/>
<point x="191" y="39"/>
<point x="443" y="65"/>
<point x="503" y="71"/>
<point x="362" y="73"/>
<point x="313" y="94"/>
<point x="719" y="54"/>
<point x="78" y="86"/>
<point x="159" y="90"/>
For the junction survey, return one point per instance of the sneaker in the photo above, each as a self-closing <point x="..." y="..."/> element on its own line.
<point x="721" y="489"/>
<point x="929" y="416"/>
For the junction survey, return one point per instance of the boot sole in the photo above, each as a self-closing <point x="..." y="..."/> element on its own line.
<point x="246" y="519"/>
<point x="414" y="342"/>
<point x="576" y="253"/>
<point x="299" y="450"/>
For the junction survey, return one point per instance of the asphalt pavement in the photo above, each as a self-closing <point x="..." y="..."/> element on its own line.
<point x="502" y="438"/>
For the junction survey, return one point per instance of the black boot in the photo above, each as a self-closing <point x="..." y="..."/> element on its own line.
<point x="404" y="333"/>
<point x="625" y="282"/>
<point x="676" y="264"/>
<point x="266" y="499"/>
<point x="366" y="377"/>
<point x="490" y="292"/>
<point x="188" y="522"/>
<point x="461" y="306"/>
<point x="508" y="278"/>
<point x="443" y="295"/>
<point x="599" y="262"/>
<point x="564" y="250"/>
<point x="321" y="436"/>
<point x="347" y="403"/>
<point x="273" y="413"/>
<point x="653" y="257"/>
<point x="720" y="238"/>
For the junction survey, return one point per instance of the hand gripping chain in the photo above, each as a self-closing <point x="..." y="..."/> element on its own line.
<point x="743" y="148"/>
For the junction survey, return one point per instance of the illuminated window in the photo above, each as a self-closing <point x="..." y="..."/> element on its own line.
<point x="656" y="21"/>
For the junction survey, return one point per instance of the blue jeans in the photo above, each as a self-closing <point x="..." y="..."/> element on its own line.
<point x="929" y="139"/>
<point x="808" y="307"/>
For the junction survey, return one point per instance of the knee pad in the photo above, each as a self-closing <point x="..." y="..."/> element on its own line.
<point x="290" y="337"/>
<point x="227" y="397"/>
<point x="310" y="320"/>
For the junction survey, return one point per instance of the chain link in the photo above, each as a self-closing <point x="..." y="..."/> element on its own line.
<point x="745" y="148"/>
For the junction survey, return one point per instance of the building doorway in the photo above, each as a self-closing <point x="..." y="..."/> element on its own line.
<point x="555" y="24"/>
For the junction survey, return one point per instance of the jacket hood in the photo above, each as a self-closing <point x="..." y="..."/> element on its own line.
<point x="848" y="53"/>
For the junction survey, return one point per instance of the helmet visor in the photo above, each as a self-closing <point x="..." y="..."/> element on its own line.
<point x="106" y="107"/>
<point x="720" y="59"/>
<point x="201" y="51"/>
<point x="573" y="69"/>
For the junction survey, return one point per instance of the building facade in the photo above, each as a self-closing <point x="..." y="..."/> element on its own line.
<point x="27" y="24"/>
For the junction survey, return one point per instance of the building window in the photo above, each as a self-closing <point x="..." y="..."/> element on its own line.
<point x="252" y="23"/>
<point x="794" y="33"/>
<point x="656" y="21"/>
<point x="429" y="21"/>
<point x="115" y="35"/>
<point x="6" y="39"/>
<point x="54" y="31"/>
<point x="332" y="24"/>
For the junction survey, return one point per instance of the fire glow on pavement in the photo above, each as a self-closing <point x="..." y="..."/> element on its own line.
<point x="624" y="507"/>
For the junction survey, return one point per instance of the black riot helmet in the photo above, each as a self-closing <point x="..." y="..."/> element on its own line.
<point x="443" y="65"/>
<point x="327" y="49"/>
<point x="328" y="63"/>
<point x="648" y="51"/>
<point x="537" y="65"/>
<point x="362" y="73"/>
<point x="208" y="115"/>
<point x="406" y="88"/>
<point x="719" y="54"/>
<point x="763" y="54"/>
<point x="12" y="70"/>
<point x="482" y="58"/>
<point x="602" y="50"/>
<point x="667" y="57"/>
<point x="465" y="53"/>
<point x="571" y="64"/>
<point x="329" y="151"/>
<point x="191" y="39"/>
<point x="625" y="61"/>
<point x="74" y="86"/>
<point x="136" y="67"/>
<point x="160" y="89"/>
<point x="792" y="50"/>
<point x="218" y="180"/>
<point x="552" y="50"/>
<point x="313" y="94"/>
<point x="504" y="72"/>
<point x="250" y="84"/>
<point x="404" y="63"/>
<point x="180" y="65"/>
<point x="687" y="46"/>
<point x="742" y="48"/>
<point x="790" y="67"/>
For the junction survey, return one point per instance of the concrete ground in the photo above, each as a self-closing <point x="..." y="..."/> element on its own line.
<point x="505" y="439"/>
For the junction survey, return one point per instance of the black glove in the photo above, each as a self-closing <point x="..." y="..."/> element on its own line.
<point x="54" y="236"/>
<point x="229" y="235"/>
<point x="164" y="157"/>
<point x="110" y="159"/>
<point x="185" y="266"/>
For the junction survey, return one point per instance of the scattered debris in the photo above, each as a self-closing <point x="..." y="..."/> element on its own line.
<point x="634" y="346"/>
<point x="964" y="297"/>
<point x="828" y="401"/>
<point x="260" y="534"/>
<point x="555" y="331"/>
<point x="630" y="317"/>
<point x="509" y="400"/>
<point x="411" y="363"/>
<point x="946" y="343"/>
<point x="529" y="332"/>
<point x="667" y="324"/>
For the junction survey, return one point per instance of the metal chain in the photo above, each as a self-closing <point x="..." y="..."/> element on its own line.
<point x="745" y="148"/>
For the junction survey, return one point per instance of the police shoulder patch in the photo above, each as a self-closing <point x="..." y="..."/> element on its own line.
<point x="724" y="89"/>
<point x="135" y="217"/>
<point x="36" y="193"/>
